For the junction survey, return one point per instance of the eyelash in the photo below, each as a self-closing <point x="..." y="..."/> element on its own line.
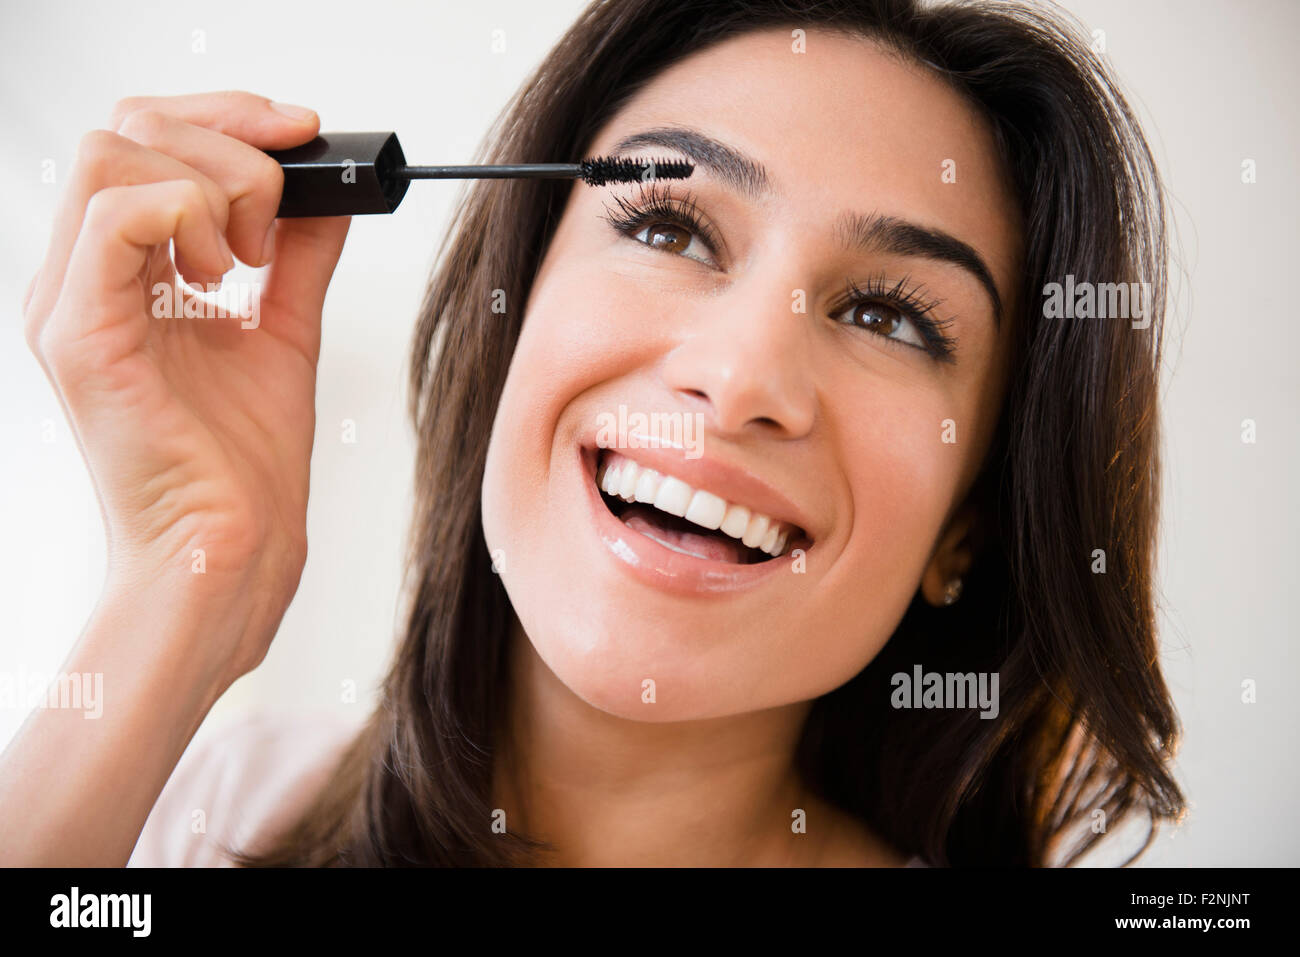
<point x="911" y="304"/>
<point x="656" y="205"/>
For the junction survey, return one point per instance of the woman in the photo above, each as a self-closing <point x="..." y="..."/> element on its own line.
<point x="836" y="328"/>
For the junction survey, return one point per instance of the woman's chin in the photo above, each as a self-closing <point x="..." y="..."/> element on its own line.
<point x="629" y="674"/>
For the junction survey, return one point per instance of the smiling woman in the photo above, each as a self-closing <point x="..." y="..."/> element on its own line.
<point x="741" y="300"/>
<point x="634" y="655"/>
<point x="895" y="604"/>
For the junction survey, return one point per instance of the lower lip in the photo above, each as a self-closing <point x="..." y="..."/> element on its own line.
<point x="652" y="563"/>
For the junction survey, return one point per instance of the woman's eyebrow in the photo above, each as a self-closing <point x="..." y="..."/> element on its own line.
<point x="865" y="231"/>
<point x="893" y="235"/>
<point x="746" y="176"/>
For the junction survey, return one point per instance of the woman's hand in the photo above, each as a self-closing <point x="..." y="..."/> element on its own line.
<point x="197" y="431"/>
<point x="198" y="436"/>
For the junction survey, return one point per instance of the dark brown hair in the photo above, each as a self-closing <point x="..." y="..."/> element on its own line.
<point x="1086" y="723"/>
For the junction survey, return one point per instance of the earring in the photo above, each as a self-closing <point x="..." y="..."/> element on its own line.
<point x="952" y="591"/>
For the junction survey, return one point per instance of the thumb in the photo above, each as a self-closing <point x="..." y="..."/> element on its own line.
<point x="306" y="253"/>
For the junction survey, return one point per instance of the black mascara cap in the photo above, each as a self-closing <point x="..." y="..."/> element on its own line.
<point x="342" y="174"/>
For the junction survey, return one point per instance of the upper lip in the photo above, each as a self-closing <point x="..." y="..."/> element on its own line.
<point x="708" y="473"/>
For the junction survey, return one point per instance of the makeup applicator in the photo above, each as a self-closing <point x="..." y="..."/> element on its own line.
<point x="349" y="174"/>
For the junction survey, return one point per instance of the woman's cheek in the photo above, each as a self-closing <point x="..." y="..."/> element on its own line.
<point x="574" y="338"/>
<point x="581" y="331"/>
<point x="900" y="476"/>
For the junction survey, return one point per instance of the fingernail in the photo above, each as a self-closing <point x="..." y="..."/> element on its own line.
<point x="268" y="247"/>
<point x="299" y="113"/>
<point x="225" y="248"/>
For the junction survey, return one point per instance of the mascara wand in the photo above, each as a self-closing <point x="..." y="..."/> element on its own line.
<point x="349" y="174"/>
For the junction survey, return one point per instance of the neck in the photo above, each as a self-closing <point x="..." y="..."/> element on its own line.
<point x="610" y="791"/>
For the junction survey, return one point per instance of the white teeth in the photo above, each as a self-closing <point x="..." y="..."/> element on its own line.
<point x="753" y="536"/>
<point x="606" y="476"/>
<point x="627" y="484"/>
<point x="706" y="509"/>
<point x="674" y="497"/>
<point x="647" y="486"/>
<point x="633" y="483"/>
<point x="736" y="521"/>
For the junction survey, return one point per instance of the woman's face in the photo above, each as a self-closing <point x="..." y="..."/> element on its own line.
<point x="738" y="351"/>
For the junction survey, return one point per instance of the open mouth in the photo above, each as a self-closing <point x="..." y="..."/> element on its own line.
<point x="691" y="521"/>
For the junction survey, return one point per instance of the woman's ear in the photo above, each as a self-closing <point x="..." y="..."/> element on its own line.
<point x="942" y="581"/>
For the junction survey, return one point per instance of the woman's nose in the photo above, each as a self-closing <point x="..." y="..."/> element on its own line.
<point x="745" y="357"/>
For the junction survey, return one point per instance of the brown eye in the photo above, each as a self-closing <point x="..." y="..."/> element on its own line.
<point x="668" y="237"/>
<point x="884" y="320"/>
<point x="674" y="239"/>
<point x="877" y="317"/>
<point x="666" y="224"/>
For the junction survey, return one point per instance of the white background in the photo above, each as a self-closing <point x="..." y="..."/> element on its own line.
<point x="1214" y="83"/>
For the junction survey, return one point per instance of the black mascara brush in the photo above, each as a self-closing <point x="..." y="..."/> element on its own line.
<point x="349" y="174"/>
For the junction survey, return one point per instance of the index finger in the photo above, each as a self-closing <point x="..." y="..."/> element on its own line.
<point x="256" y="120"/>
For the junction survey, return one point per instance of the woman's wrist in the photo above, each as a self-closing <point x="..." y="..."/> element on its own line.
<point x="85" y="770"/>
<point x="172" y="630"/>
<point x="216" y="623"/>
